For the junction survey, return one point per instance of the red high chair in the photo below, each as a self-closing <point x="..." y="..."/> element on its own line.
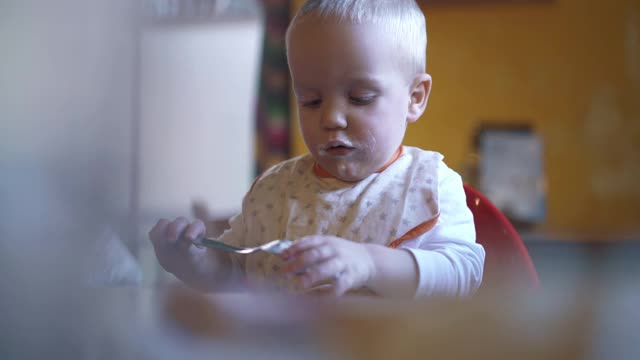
<point x="507" y="259"/>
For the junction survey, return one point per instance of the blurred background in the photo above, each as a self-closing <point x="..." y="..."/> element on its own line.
<point x="116" y="113"/>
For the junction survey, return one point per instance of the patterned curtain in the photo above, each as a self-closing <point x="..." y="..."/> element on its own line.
<point x="273" y="114"/>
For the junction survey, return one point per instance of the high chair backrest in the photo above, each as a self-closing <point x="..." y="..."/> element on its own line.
<point x="507" y="258"/>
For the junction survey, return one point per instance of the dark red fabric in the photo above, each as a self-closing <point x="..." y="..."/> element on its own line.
<point x="507" y="258"/>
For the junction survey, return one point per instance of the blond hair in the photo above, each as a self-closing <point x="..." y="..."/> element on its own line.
<point x="402" y="19"/>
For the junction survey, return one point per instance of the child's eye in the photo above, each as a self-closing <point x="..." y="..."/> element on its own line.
<point x="311" y="103"/>
<point x="361" y="100"/>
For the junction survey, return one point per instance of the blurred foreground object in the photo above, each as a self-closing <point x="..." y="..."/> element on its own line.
<point x="502" y="324"/>
<point x="66" y="112"/>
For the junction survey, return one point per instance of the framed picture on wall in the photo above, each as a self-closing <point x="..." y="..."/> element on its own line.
<point x="511" y="170"/>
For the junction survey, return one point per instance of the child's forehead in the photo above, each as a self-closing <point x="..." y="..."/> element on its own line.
<point x="364" y="59"/>
<point x="353" y="81"/>
<point x="314" y="34"/>
<point x="307" y="81"/>
<point x="392" y="31"/>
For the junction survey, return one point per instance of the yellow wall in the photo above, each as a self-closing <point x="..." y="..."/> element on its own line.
<point x="571" y="68"/>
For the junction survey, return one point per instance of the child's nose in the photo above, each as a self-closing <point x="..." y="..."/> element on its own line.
<point x="333" y="118"/>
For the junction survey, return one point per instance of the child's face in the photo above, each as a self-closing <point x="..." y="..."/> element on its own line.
<point x="353" y="96"/>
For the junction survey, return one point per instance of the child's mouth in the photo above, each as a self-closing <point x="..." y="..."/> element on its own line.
<point x="338" y="149"/>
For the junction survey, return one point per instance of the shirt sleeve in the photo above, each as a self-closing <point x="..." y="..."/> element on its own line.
<point x="450" y="262"/>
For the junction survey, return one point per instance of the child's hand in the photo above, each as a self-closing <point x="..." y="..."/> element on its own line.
<point x="172" y="242"/>
<point x="322" y="259"/>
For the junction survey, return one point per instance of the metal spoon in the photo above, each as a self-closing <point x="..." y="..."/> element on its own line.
<point x="273" y="247"/>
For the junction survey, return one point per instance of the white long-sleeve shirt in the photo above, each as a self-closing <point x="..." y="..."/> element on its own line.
<point x="416" y="203"/>
<point x="449" y="260"/>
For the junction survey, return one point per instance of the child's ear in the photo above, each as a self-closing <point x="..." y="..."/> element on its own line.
<point x="420" y="90"/>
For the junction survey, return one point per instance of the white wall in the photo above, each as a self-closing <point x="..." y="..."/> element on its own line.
<point x="198" y="94"/>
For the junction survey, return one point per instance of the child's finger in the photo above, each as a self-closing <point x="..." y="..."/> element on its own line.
<point x="323" y="272"/>
<point x="159" y="230"/>
<point x="194" y="231"/>
<point x="302" y="245"/>
<point x="310" y="257"/>
<point x="176" y="228"/>
<point x="343" y="283"/>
